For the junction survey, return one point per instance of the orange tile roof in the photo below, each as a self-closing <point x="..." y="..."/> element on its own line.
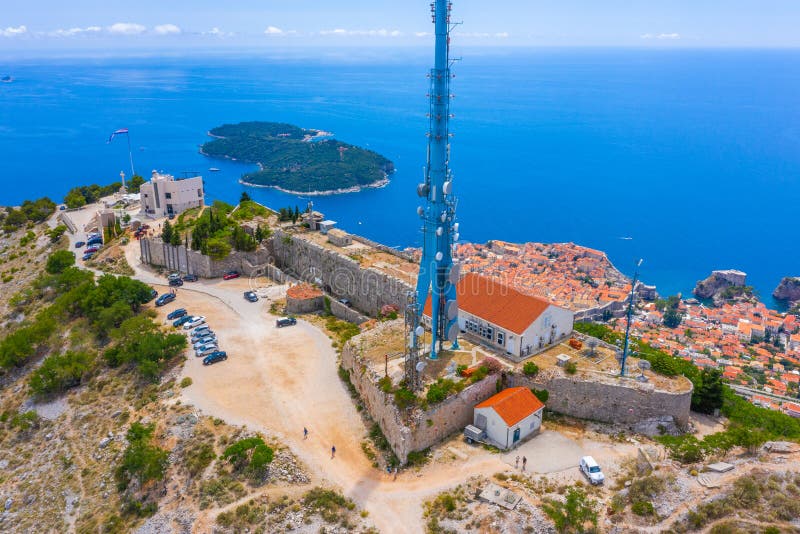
<point x="496" y="303"/>
<point x="513" y="404"/>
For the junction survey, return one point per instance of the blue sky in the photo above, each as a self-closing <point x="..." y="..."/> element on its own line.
<point x="161" y="24"/>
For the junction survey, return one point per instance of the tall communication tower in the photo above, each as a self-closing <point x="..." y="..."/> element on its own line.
<point x="438" y="275"/>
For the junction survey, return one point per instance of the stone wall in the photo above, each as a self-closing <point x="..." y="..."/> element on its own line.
<point x="425" y="428"/>
<point x="309" y="305"/>
<point x="632" y="404"/>
<point x="178" y="258"/>
<point x="337" y="274"/>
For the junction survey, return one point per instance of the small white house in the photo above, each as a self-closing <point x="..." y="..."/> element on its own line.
<point x="510" y="416"/>
<point x="506" y="319"/>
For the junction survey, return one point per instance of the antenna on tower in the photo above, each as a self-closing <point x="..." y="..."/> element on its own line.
<point x="438" y="274"/>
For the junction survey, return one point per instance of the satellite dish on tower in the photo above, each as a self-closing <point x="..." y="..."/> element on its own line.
<point x="419" y="331"/>
<point x="452" y="333"/>
<point x="420" y="366"/>
<point x="452" y="309"/>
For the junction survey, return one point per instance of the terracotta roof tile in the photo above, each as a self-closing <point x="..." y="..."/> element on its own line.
<point x="513" y="404"/>
<point x="496" y="303"/>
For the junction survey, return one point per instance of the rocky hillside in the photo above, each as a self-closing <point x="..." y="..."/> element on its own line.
<point x="788" y="289"/>
<point x="720" y="289"/>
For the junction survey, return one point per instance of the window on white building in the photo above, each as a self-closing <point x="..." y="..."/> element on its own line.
<point x="501" y="338"/>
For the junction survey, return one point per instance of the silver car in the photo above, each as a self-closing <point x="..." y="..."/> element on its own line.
<point x="206" y="351"/>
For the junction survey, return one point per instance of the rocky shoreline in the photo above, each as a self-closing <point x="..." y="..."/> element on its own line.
<point x="375" y="185"/>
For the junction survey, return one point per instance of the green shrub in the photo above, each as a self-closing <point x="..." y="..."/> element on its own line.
<point x="571" y="368"/>
<point x="404" y="398"/>
<point x="541" y="394"/>
<point x="643" y="508"/>
<point x="440" y="390"/>
<point x="58" y="261"/>
<point x="60" y="372"/>
<point x="141" y="460"/>
<point x="574" y="513"/>
<point x="329" y="504"/>
<point x="250" y="456"/>
<point x="186" y="382"/>
<point x="530" y="369"/>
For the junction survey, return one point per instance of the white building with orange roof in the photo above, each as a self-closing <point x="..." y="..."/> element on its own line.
<point x="506" y="319"/>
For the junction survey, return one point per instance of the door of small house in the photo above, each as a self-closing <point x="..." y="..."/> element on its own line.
<point x="516" y="435"/>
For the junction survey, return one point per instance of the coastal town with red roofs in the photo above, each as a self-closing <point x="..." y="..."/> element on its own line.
<point x="756" y="348"/>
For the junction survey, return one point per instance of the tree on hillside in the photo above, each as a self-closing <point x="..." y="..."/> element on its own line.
<point x="245" y="197"/>
<point x="672" y="316"/>
<point x="135" y="183"/>
<point x="58" y="261"/>
<point x="707" y="395"/>
<point x="74" y="199"/>
<point x="175" y="240"/>
<point x="166" y="232"/>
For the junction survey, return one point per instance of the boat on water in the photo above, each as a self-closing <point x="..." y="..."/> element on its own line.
<point x="213" y="169"/>
<point x="6" y="79"/>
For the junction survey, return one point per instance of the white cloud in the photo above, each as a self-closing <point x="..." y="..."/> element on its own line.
<point x="71" y="32"/>
<point x="272" y="30"/>
<point x="167" y="29"/>
<point x="368" y="33"/>
<point x="126" y="28"/>
<point x="502" y="35"/>
<point x="216" y="32"/>
<point x="13" y="32"/>
<point x="421" y="34"/>
<point x="661" y="36"/>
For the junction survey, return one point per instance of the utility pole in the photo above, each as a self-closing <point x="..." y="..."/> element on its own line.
<point x="630" y="316"/>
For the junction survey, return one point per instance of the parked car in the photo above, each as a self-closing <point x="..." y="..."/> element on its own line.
<point x="93" y="235"/>
<point x="190" y="278"/>
<point x="165" y="299"/>
<point x="345" y="302"/>
<point x="62" y="207"/>
<point x="201" y="327"/>
<point x="94" y="241"/>
<point x="175" y="314"/>
<point x="88" y="256"/>
<point x="176" y="283"/>
<point x="285" y="321"/>
<point x="214" y="357"/>
<point x="182" y="321"/>
<point x="210" y="340"/>
<point x="230" y="275"/>
<point x="250" y="296"/>
<point x="80" y="244"/>
<point x="205" y="350"/>
<point x="153" y="294"/>
<point x="195" y="322"/>
<point x="200" y="334"/>
<point x="174" y="276"/>
<point x="90" y="250"/>
<point x="592" y="470"/>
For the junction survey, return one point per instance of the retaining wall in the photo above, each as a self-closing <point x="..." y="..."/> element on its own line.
<point x="178" y="258"/>
<point x="424" y="428"/>
<point x="338" y="275"/>
<point x="631" y="404"/>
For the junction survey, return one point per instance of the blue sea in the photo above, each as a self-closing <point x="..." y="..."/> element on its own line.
<point x="689" y="159"/>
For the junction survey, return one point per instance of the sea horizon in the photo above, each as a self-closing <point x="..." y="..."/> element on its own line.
<point x="685" y="151"/>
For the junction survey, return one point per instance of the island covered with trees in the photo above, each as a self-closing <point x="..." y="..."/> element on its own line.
<point x="298" y="160"/>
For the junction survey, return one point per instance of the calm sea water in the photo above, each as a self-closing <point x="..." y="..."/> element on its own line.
<point x="693" y="155"/>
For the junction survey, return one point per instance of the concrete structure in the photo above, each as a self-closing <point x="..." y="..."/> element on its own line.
<point x="510" y="416"/>
<point x="326" y="226"/>
<point x="339" y="238"/>
<point x="506" y="319"/>
<point x="163" y="195"/>
<point x="736" y="278"/>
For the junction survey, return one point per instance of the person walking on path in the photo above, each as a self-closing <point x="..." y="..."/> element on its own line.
<point x="516" y="465"/>
<point x="333" y="452"/>
<point x="395" y="473"/>
<point x="524" y="463"/>
<point x="305" y="433"/>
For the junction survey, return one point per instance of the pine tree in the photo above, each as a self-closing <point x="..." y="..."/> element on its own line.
<point x="244" y="198"/>
<point x="166" y="232"/>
